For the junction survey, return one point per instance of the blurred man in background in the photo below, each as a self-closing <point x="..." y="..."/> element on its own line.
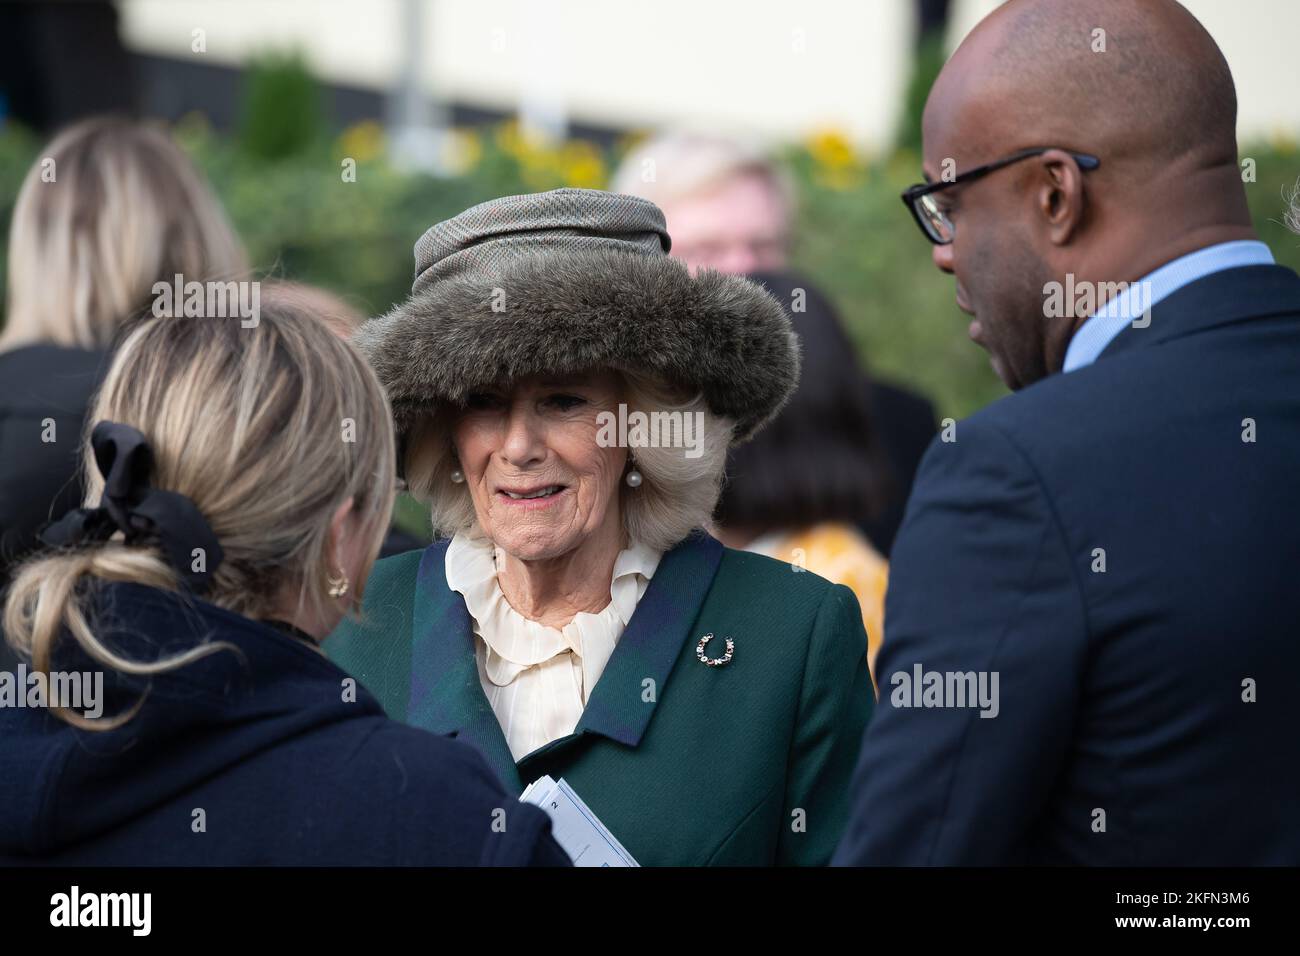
<point x="728" y="207"/>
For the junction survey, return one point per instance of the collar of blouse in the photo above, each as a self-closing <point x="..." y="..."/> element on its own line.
<point x="515" y="643"/>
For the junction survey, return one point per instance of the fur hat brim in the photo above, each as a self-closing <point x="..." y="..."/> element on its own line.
<point x="562" y="313"/>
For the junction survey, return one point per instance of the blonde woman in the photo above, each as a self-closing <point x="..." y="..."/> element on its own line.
<point x="244" y="479"/>
<point x="109" y="208"/>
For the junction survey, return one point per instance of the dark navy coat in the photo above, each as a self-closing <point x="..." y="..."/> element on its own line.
<point x="1107" y="543"/>
<point x="265" y="754"/>
<point x="44" y="392"/>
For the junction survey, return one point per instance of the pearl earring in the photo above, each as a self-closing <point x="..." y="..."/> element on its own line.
<point x="458" y="476"/>
<point x="634" y="477"/>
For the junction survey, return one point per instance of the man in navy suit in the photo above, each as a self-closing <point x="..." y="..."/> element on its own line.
<point x="1092" y="648"/>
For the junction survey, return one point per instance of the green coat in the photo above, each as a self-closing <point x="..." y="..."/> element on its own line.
<point x="744" y="764"/>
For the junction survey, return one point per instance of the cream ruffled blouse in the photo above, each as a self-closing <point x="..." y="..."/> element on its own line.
<point x="538" y="678"/>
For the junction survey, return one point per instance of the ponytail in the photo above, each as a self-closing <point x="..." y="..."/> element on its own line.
<point x="220" y="455"/>
<point x="49" y="595"/>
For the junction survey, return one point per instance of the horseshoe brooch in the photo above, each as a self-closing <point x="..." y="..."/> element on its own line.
<point x="714" y="661"/>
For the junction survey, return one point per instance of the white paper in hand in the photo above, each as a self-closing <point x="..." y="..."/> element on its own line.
<point x="576" y="829"/>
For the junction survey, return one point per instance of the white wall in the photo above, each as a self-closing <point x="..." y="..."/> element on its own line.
<point x="783" y="68"/>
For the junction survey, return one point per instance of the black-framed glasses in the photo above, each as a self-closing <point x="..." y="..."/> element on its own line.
<point x="934" y="222"/>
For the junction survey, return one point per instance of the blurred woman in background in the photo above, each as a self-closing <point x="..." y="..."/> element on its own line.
<point x="798" y="490"/>
<point x="111" y="207"/>
<point x="245" y="478"/>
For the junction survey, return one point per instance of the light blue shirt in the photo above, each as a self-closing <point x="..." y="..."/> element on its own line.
<point x="1100" y="329"/>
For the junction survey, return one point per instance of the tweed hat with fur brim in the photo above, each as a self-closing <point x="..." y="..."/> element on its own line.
<point x="570" y="281"/>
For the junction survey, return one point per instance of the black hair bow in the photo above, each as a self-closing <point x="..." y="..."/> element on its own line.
<point x="144" y="514"/>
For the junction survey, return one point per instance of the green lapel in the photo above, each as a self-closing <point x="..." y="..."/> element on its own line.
<point x="618" y="707"/>
<point x="447" y="696"/>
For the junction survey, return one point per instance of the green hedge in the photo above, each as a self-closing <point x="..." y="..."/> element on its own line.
<point x="300" y="218"/>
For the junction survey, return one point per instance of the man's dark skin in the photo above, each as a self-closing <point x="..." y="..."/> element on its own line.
<point x="1157" y="108"/>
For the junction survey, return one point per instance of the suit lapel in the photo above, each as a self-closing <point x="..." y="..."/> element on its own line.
<point x="446" y="693"/>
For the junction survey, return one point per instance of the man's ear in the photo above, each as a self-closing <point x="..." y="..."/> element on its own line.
<point x="1061" y="197"/>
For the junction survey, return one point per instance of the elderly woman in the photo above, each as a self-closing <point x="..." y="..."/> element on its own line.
<point x="564" y="396"/>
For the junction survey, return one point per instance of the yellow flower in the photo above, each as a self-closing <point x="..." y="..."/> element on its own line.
<point x="832" y="149"/>
<point x="362" y="141"/>
<point x="582" y="165"/>
<point x="836" y="164"/>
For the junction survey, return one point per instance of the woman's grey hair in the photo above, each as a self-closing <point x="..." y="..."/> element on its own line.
<point x="677" y="495"/>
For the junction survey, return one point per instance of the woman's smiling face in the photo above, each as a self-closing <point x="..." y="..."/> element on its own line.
<point x="540" y="482"/>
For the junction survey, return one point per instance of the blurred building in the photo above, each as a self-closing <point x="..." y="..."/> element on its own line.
<point x="781" y="69"/>
<point x="778" y="68"/>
